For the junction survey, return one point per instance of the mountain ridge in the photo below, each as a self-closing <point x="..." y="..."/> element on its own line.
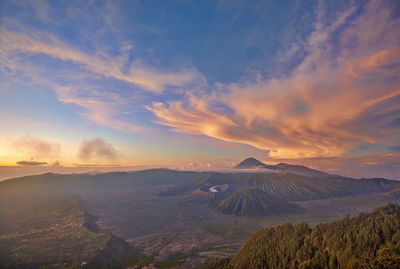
<point x="253" y="163"/>
<point x="254" y="202"/>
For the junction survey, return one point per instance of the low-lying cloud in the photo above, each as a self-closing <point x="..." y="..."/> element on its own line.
<point x="97" y="149"/>
<point x="31" y="163"/>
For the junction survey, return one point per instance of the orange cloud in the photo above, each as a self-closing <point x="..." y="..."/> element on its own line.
<point x="381" y="61"/>
<point x="320" y="109"/>
<point x="191" y="121"/>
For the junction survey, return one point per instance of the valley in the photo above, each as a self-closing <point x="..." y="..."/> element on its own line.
<point x="170" y="218"/>
<point x="199" y="134"/>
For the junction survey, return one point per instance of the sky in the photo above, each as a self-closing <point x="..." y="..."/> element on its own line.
<point x="119" y="85"/>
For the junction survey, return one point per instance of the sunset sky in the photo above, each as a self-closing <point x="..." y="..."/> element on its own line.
<point x="119" y="85"/>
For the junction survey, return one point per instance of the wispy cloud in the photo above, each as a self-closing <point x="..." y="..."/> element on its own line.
<point x="14" y="43"/>
<point x="99" y="108"/>
<point x="102" y="85"/>
<point x="321" y="107"/>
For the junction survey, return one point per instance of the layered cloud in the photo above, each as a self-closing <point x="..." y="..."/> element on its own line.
<point x="343" y="94"/>
<point x="30" y="163"/>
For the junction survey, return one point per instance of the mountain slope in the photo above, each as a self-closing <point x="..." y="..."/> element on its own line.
<point x="252" y="163"/>
<point x="369" y="240"/>
<point x="46" y="226"/>
<point x="254" y="202"/>
<point x="301" y="170"/>
<point x="74" y="182"/>
<point x="394" y="194"/>
<point x="286" y="185"/>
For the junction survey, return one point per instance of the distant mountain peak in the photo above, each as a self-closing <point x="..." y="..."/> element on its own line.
<point x="250" y="163"/>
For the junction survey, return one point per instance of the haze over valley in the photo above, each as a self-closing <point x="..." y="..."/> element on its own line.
<point x="161" y="216"/>
<point x="200" y="134"/>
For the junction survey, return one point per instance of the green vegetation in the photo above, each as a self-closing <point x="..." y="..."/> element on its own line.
<point x="177" y="260"/>
<point x="210" y="262"/>
<point x="45" y="219"/>
<point x="145" y="261"/>
<point x="215" y="264"/>
<point x="255" y="202"/>
<point x="369" y="240"/>
<point x="46" y="226"/>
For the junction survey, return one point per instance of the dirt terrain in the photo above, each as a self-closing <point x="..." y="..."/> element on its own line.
<point x="186" y="225"/>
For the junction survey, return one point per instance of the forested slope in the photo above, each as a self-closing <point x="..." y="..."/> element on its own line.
<point x="369" y="240"/>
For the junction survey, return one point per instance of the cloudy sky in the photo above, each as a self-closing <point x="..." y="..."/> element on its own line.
<point x="113" y="85"/>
